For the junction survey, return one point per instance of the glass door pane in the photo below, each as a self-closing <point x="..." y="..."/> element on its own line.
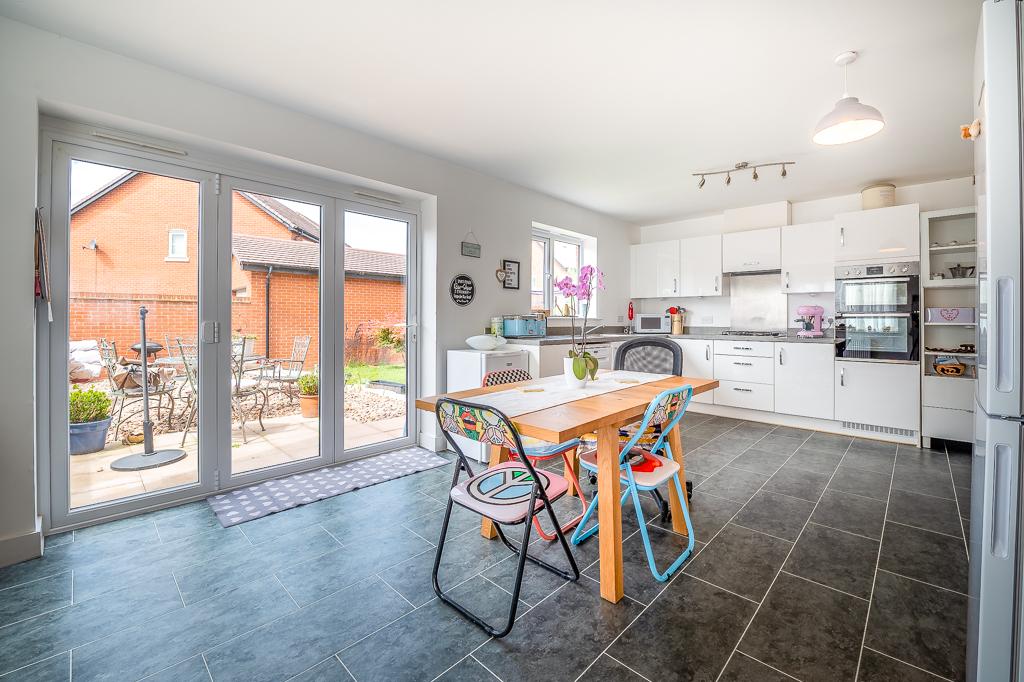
<point x="275" y="331"/>
<point x="379" y="328"/>
<point x="133" y="243"/>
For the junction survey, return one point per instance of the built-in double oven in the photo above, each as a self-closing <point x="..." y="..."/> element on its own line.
<point x="878" y="311"/>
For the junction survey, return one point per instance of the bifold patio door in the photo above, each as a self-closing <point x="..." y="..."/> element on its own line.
<point x="280" y="331"/>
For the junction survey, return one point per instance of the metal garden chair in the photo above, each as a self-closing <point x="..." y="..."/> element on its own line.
<point x="646" y="470"/>
<point x="508" y="494"/>
<point x="540" y="451"/>
<point x="123" y="397"/>
<point x="248" y="379"/>
<point x="286" y="371"/>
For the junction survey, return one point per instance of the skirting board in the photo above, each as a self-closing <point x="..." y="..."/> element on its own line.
<point x="22" y="547"/>
<point x="826" y="425"/>
<point x="433" y="442"/>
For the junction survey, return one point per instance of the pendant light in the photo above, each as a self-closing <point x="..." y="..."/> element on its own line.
<point x="850" y="120"/>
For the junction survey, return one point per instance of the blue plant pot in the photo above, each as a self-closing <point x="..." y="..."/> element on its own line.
<point x="88" y="437"/>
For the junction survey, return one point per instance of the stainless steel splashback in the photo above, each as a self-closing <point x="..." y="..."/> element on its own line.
<point x="756" y="303"/>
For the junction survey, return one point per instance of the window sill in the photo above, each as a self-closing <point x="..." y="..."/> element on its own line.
<point x="176" y="259"/>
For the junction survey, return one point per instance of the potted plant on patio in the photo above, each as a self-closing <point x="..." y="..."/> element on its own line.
<point x="309" y="395"/>
<point x="580" y="366"/>
<point x="89" y="420"/>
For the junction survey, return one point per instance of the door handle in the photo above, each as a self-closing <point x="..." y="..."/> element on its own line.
<point x="780" y="357"/>
<point x="1001" y="493"/>
<point x="743" y="390"/>
<point x="716" y="282"/>
<point x="744" y="364"/>
<point x="707" y="353"/>
<point x="787" y="279"/>
<point x="842" y="236"/>
<point x="842" y="376"/>
<point x="675" y="287"/>
<point x="742" y="348"/>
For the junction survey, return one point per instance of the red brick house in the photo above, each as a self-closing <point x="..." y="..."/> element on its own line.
<point x="135" y="241"/>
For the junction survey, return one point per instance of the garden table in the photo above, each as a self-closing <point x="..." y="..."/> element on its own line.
<point x="579" y="414"/>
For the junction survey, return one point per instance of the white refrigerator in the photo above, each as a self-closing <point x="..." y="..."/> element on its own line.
<point x="995" y="608"/>
<point x="466" y="369"/>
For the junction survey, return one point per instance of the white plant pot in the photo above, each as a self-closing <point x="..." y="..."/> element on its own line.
<point x="570" y="378"/>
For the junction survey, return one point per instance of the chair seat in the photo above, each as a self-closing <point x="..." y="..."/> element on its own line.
<point x="541" y="449"/>
<point x="502" y="492"/>
<point x="644" y="479"/>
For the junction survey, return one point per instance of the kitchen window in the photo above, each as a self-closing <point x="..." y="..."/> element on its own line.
<point x="177" y="245"/>
<point x="553" y="256"/>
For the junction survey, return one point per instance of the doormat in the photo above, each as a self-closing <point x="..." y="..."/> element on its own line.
<point x="270" y="497"/>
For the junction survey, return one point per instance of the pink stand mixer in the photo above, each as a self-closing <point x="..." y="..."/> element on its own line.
<point x="810" y="317"/>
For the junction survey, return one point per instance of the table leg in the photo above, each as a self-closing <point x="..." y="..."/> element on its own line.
<point x="499" y="454"/>
<point x="609" y="513"/>
<point x="675" y="443"/>
<point x="573" y="472"/>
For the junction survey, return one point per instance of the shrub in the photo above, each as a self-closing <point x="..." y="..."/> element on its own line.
<point x="88" y="406"/>
<point x="390" y="338"/>
<point x="309" y="384"/>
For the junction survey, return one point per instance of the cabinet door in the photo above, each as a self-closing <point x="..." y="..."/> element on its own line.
<point x="700" y="266"/>
<point x="879" y="394"/>
<point x="654" y="271"/>
<point x="698" y="362"/>
<point x="891" y="234"/>
<point x="804" y="379"/>
<point x="808" y="259"/>
<point x="751" y="251"/>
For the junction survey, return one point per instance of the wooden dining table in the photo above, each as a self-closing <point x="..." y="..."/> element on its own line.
<point x="602" y="414"/>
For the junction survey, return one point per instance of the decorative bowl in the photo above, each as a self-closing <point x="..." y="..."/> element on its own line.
<point x="486" y="342"/>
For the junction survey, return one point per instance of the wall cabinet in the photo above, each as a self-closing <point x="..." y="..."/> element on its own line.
<point x="752" y="250"/>
<point x="808" y="258"/>
<point x="804" y="379"/>
<point x="698" y="362"/>
<point x="880" y="234"/>
<point x="654" y="269"/>
<point x="701" y="261"/>
<point x="883" y="394"/>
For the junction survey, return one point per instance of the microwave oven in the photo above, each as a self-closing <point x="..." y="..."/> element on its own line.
<point x="647" y="323"/>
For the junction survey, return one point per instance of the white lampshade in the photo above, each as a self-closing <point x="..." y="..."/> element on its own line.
<point x="849" y="121"/>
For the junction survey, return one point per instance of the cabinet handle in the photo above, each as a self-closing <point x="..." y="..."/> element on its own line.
<point x="675" y="287"/>
<point x="780" y="357"/>
<point x="742" y="348"/>
<point x="744" y="364"/>
<point x="842" y="376"/>
<point x="707" y="353"/>
<point x="716" y="282"/>
<point x="787" y="279"/>
<point x="744" y="390"/>
<point x="842" y="236"/>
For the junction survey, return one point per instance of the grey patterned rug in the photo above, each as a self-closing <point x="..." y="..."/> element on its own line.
<point x="270" y="497"/>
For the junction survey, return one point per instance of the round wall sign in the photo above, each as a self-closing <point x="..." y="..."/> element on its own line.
<point x="462" y="290"/>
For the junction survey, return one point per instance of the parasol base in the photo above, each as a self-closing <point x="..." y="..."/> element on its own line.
<point x="150" y="460"/>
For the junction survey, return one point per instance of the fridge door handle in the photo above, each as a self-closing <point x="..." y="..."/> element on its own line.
<point x="1002" y="331"/>
<point x="1002" y="479"/>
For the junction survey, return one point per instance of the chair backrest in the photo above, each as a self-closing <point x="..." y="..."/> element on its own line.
<point x="505" y="376"/>
<point x="478" y="423"/>
<point x="108" y="356"/>
<point x="171" y="348"/>
<point x="189" y="353"/>
<point x="654" y="355"/>
<point x="300" y="348"/>
<point x="665" y="411"/>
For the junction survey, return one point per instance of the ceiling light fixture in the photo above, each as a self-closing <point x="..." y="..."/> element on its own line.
<point x="849" y="120"/>
<point x="741" y="166"/>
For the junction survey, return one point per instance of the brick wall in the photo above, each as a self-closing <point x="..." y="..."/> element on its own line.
<point x="130" y="225"/>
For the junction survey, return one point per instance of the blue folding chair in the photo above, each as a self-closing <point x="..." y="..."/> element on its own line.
<point x="646" y="470"/>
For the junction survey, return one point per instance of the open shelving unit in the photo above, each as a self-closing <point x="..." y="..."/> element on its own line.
<point x="947" y="401"/>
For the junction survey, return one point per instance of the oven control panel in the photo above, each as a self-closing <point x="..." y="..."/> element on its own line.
<point x="907" y="269"/>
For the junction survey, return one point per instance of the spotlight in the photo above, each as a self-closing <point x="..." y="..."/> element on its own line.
<point x="728" y="179"/>
<point x="700" y="185"/>
<point x="783" y="170"/>
<point x="754" y="176"/>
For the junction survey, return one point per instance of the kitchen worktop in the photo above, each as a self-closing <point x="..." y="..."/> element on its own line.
<point x="705" y="333"/>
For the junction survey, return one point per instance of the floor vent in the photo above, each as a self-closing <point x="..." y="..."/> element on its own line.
<point x="872" y="428"/>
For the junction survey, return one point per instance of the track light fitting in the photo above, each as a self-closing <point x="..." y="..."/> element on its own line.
<point x="742" y="165"/>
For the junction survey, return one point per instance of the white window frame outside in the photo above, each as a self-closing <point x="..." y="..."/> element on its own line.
<point x="171" y="255"/>
<point x="548" y="237"/>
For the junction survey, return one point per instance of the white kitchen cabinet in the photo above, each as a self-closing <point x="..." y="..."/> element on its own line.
<point x="699" y="363"/>
<point x="744" y="395"/>
<point x="700" y="260"/>
<point x="808" y="259"/>
<point x="880" y="234"/>
<point x="752" y="250"/>
<point x="804" y="379"/>
<point x="878" y="394"/>
<point x="654" y="269"/>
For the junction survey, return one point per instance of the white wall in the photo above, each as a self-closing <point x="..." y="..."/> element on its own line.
<point x="714" y="312"/>
<point x="41" y="71"/>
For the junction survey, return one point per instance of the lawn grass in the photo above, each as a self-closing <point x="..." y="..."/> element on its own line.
<point x="358" y="373"/>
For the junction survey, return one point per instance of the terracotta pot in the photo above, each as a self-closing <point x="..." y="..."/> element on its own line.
<point x="309" y="405"/>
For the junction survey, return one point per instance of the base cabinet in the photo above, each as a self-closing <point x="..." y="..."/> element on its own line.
<point x="879" y="394"/>
<point x="804" y="379"/>
<point x="699" y="362"/>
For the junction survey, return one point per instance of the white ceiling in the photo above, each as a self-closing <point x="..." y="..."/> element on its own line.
<point x="605" y="103"/>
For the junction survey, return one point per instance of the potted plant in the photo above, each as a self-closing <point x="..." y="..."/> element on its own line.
<point x="89" y="420"/>
<point x="580" y="366"/>
<point x="309" y="395"/>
